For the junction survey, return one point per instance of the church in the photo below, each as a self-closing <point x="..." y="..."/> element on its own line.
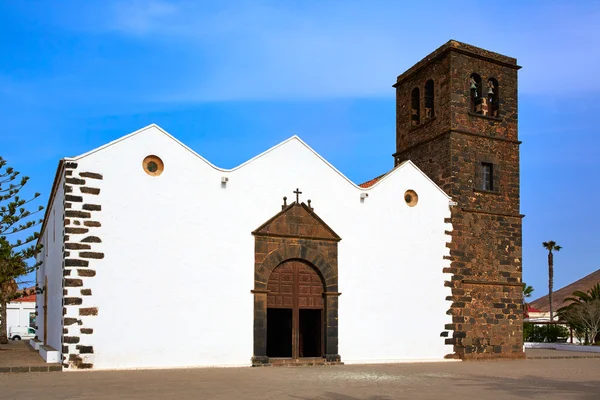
<point x="155" y="258"/>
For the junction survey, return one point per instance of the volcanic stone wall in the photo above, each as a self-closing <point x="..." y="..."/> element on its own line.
<point x="82" y="255"/>
<point x="451" y="147"/>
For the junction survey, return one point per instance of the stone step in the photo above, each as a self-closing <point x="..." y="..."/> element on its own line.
<point x="300" y="362"/>
<point x="49" y="354"/>
<point x="35" y="343"/>
<point x="33" y="368"/>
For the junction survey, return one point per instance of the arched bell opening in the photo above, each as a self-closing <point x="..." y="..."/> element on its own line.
<point x="475" y="90"/>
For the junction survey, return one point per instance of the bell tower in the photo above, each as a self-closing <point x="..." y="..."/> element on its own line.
<point x="456" y="119"/>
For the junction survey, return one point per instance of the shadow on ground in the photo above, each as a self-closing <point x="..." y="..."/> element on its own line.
<point x="530" y="386"/>
<point x="479" y="386"/>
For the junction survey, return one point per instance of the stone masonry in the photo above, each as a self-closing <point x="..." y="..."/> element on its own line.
<point x="295" y="233"/>
<point x="451" y="147"/>
<point x="81" y="255"/>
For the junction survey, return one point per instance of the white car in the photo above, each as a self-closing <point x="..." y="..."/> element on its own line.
<point x="20" y="333"/>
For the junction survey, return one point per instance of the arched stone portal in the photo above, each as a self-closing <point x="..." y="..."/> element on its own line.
<point x="295" y="286"/>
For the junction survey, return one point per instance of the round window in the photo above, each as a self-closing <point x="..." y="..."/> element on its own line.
<point x="411" y="198"/>
<point x="153" y="165"/>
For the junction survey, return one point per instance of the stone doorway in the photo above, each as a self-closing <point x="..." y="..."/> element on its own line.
<point x="295" y="289"/>
<point x="295" y="309"/>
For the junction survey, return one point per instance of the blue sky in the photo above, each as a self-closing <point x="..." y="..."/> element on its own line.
<point x="231" y="79"/>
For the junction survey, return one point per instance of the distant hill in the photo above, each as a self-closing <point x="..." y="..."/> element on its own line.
<point x="558" y="296"/>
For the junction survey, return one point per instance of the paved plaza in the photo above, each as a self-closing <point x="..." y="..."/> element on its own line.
<point x="18" y="356"/>
<point x="547" y="379"/>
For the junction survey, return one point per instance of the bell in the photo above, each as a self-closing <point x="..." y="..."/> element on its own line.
<point x="473" y="85"/>
<point x="490" y="86"/>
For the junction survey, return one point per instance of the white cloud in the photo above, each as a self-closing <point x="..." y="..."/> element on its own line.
<point x="272" y="50"/>
<point x="256" y="51"/>
<point x="141" y="17"/>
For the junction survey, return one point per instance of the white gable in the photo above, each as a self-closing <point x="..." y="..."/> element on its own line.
<point x="152" y="137"/>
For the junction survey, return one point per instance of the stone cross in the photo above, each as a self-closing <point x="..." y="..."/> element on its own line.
<point x="298" y="193"/>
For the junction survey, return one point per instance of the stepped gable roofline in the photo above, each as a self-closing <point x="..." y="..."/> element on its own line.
<point x="405" y="164"/>
<point x="274" y="148"/>
<point x="558" y="296"/>
<point x="459" y="47"/>
<point x="60" y="168"/>
<point x="167" y="134"/>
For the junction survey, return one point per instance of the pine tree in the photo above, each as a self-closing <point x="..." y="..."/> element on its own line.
<point x="16" y="220"/>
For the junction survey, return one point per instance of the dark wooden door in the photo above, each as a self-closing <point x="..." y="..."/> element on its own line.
<point x="297" y="286"/>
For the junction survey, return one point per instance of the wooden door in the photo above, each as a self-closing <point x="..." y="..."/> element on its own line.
<point x="296" y="285"/>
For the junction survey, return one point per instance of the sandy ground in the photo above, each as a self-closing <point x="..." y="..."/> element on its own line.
<point x="526" y="379"/>
<point x="18" y="354"/>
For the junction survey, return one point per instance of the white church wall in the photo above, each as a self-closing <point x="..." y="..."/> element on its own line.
<point x="52" y="257"/>
<point x="178" y="252"/>
<point x="393" y="298"/>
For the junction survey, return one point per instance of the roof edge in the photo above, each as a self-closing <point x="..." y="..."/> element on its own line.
<point x="50" y="204"/>
<point x="401" y="166"/>
<point x="294" y="137"/>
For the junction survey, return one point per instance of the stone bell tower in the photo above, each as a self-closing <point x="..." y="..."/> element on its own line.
<point x="456" y="119"/>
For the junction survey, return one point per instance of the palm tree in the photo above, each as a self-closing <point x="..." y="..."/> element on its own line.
<point x="550" y="246"/>
<point x="527" y="292"/>
<point x="583" y="311"/>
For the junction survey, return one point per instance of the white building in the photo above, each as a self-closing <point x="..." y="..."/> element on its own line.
<point x="21" y="312"/>
<point x="162" y="247"/>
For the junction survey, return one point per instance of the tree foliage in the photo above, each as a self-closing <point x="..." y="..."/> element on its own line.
<point x="18" y="243"/>
<point x="583" y="312"/>
<point x="543" y="333"/>
<point x="527" y="291"/>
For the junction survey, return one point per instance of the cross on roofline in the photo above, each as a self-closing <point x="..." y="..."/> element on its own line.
<point x="298" y="193"/>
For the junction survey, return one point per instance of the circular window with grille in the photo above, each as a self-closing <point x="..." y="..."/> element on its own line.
<point x="411" y="198"/>
<point x="153" y="165"/>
